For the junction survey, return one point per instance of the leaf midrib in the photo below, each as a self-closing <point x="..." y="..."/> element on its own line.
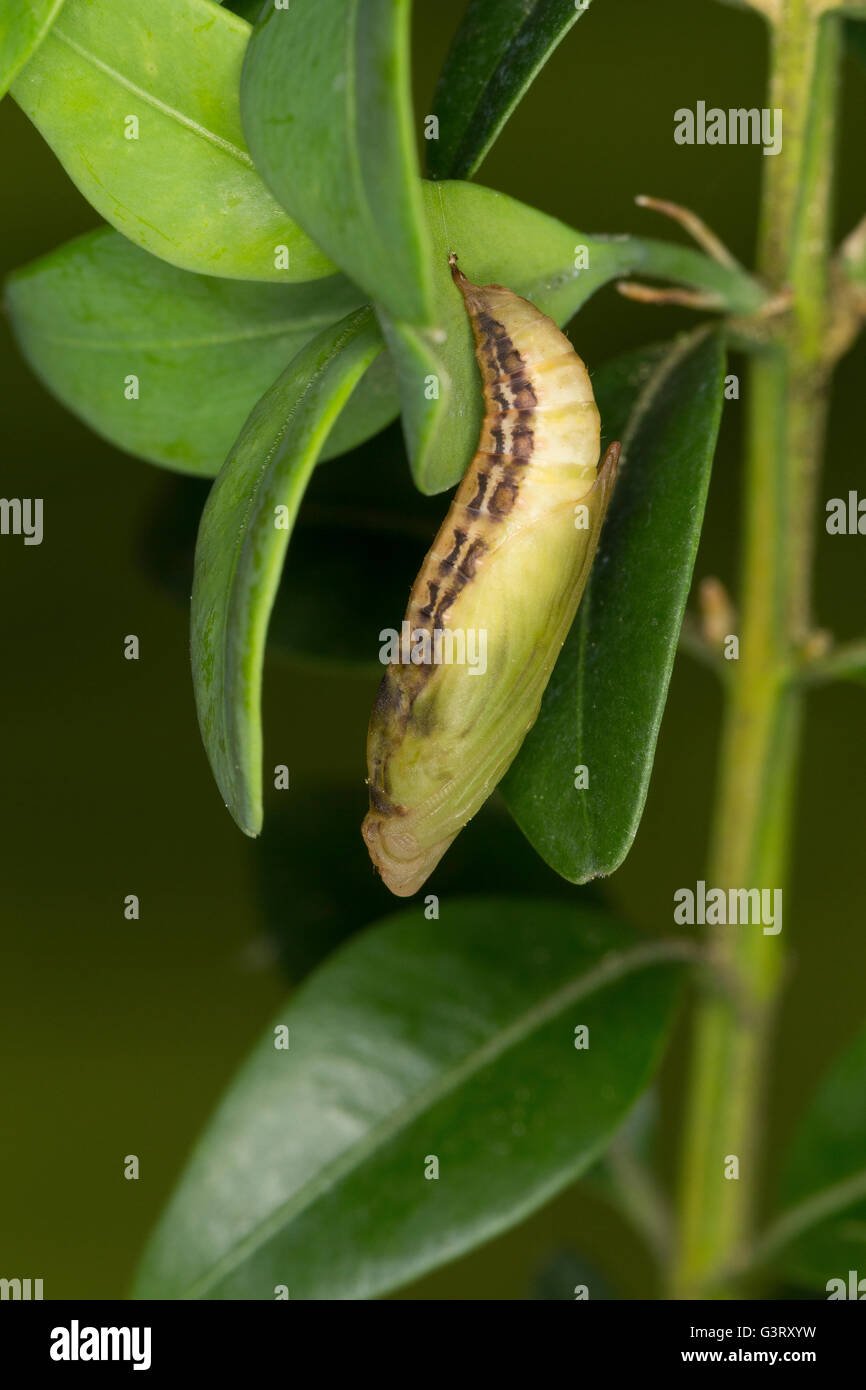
<point x="614" y="967"/>
<point x="468" y="148"/>
<point x="219" y="141"/>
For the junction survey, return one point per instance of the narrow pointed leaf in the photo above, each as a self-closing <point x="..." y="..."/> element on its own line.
<point x="360" y="505"/>
<point x="360" y="535"/>
<point x="184" y="187"/>
<point x="241" y="547"/>
<point x="497" y="53"/>
<point x="23" y="26"/>
<point x="604" y="704"/>
<point x="821" y="1234"/>
<point x="327" y="111"/>
<point x="457" y="1042"/>
<point x="203" y="349"/>
<point x="499" y="240"/>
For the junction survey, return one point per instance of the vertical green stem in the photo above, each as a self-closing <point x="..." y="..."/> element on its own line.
<point x="786" y="394"/>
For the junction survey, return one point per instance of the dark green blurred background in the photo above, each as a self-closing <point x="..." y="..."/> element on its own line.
<point x="119" y="1036"/>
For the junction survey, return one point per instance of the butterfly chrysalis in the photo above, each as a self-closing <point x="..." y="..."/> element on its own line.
<point x="496" y="594"/>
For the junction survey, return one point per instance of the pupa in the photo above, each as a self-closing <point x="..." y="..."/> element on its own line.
<point x="505" y="575"/>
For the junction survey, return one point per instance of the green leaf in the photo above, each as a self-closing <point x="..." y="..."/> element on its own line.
<point x="204" y="350"/>
<point x="23" y="26"/>
<point x="240" y="551"/>
<point x="327" y="111"/>
<point x="604" y="704"/>
<point x="186" y="188"/>
<point x="362" y="504"/>
<point x="453" y="1039"/>
<point x="497" y="53"/>
<point x="333" y="601"/>
<point x="822" y="1232"/>
<point x="374" y="403"/>
<point x="499" y="240"/>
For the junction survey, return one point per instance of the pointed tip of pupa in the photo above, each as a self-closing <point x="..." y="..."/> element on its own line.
<point x="456" y="273"/>
<point x="473" y="294"/>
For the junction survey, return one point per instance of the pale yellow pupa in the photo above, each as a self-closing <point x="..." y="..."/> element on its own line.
<point x="505" y="575"/>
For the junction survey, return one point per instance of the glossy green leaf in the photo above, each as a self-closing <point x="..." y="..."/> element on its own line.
<point x="185" y="188"/>
<point x="454" y="1039"/>
<point x="99" y="309"/>
<point x="496" y="54"/>
<point x="500" y="240"/>
<point x="242" y="544"/>
<point x="327" y="111"/>
<point x="331" y="602"/>
<point x="822" y="1232"/>
<point x="23" y="26"/>
<point x="346" y="571"/>
<point x="604" y="704"/>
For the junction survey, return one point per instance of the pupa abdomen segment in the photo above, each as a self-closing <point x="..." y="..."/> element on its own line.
<point x="496" y="594"/>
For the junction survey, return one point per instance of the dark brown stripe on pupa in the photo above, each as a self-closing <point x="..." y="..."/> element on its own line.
<point x="503" y="498"/>
<point x="492" y="328"/>
<point x="460" y="582"/>
<point x="523" y="442"/>
<point x="478" y="499"/>
<point x="523" y="393"/>
<point x="509" y="360"/>
<point x="475" y="550"/>
<point x="451" y="560"/>
<point x="427" y="610"/>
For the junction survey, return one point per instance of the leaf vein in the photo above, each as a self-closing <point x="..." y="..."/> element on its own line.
<point x="219" y="141"/>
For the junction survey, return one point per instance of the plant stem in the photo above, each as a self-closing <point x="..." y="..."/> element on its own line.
<point x="786" y="392"/>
